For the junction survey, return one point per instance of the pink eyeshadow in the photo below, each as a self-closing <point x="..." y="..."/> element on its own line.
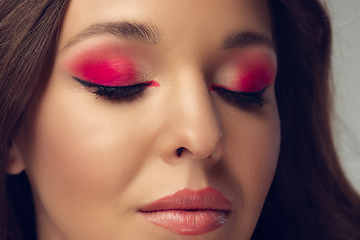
<point x="108" y="65"/>
<point x="253" y="72"/>
<point x="154" y="84"/>
<point x="116" y="72"/>
<point x="253" y="79"/>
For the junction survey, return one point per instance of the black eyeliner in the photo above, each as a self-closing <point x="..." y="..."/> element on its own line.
<point x="243" y="99"/>
<point x="114" y="92"/>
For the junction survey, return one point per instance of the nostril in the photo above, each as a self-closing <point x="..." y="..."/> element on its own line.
<point x="179" y="151"/>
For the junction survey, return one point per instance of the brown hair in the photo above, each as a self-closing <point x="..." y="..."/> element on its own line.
<point x="310" y="197"/>
<point x="27" y="31"/>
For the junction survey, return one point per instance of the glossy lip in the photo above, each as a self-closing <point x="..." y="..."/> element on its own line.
<point x="189" y="212"/>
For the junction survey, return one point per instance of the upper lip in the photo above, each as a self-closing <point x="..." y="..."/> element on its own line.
<point x="187" y="199"/>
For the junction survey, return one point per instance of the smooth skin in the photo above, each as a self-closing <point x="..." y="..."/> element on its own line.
<point x="93" y="163"/>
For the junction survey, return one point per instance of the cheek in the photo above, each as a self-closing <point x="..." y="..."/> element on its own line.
<point x="81" y="159"/>
<point x="256" y="153"/>
<point x="252" y="142"/>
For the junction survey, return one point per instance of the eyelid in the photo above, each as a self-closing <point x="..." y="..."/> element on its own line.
<point x="248" y="70"/>
<point x="107" y="65"/>
<point x="214" y="87"/>
<point x="117" y="92"/>
<point x="91" y="84"/>
<point x="245" y="100"/>
<point x="136" y="78"/>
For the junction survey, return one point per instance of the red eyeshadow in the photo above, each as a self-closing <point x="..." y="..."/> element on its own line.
<point x="107" y="65"/>
<point x="115" y="72"/>
<point x="256" y="71"/>
<point x="252" y="72"/>
<point x="154" y="84"/>
<point x="253" y="79"/>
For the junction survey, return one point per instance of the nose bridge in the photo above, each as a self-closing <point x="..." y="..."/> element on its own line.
<point x="193" y="124"/>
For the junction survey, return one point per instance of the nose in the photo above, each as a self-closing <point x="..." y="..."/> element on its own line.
<point x="192" y="130"/>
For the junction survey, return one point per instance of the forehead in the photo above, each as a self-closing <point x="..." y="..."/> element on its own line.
<point x="200" y="22"/>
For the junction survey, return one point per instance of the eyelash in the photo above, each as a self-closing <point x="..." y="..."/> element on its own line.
<point x="242" y="99"/>
<point x="115" y="92"/>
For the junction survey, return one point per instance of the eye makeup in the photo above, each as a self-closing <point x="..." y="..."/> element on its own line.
<point x="115" y="71"/>
<point x="108" y="73"/>
<point x="245" y="77"/>
<point x="116" y="92"/>
<point x="241" y="99"/>
<point x="106" y="65"/>
<point x="251" y="71"/>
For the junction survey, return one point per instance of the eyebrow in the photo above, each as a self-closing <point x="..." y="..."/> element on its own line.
<point x="247" y="39"/>
<point x="126" y="30"/>
<point x="149" y="34"/>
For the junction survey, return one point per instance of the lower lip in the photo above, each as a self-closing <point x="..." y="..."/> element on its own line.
<point x="193" y="222"/>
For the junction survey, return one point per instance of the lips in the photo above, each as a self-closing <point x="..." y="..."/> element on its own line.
<point x="189" y="212"/>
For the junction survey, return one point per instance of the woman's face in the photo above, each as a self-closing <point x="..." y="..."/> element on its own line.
<point x="158" y="121"/>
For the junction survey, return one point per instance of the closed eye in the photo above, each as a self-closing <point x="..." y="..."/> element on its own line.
<point x="241" y="99"/>
<point x="115" y="92"/>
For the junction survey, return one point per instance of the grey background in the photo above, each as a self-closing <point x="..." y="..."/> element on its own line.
<point x="345" y="16"/>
